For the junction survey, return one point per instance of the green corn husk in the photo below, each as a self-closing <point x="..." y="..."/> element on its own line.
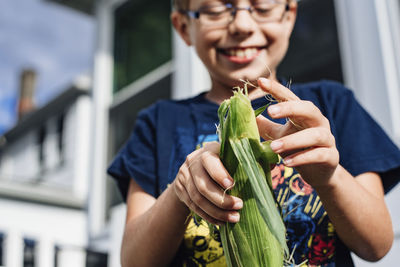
<point x="259" y="238"/>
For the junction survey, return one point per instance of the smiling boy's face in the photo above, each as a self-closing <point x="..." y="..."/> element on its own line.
<point x="243" y="49"/>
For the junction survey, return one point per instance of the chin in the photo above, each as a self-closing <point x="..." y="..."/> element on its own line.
<point x="232" y="78"/>
<point x="232" y="82"/>
<point x="251" y="76"/>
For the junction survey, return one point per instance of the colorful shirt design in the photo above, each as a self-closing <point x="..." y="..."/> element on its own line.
<point x="200" y="248"/>
<point x="310" y="234"/>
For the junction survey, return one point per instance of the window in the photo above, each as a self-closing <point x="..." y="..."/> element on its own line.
<point x="60" y="138"/>
<point x="1" y="249"/>
<point x="96" y="259"/>
<point x="41" y="148"/>
<point x="314" y="48"/>
<point x="142" y="40"/>
<point x="29" y="252"/>
<point x="77" y="256"/>
<point x="57" y="250"/>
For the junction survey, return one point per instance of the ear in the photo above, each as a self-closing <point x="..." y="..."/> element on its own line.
<point x="290" y="17"/>
<point x="181" y="25"/>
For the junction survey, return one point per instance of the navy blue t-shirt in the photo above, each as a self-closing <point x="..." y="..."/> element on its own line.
<point x="166" y="132"/>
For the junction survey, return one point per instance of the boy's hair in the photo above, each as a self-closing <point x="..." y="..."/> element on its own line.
<point x="181" y="4"/>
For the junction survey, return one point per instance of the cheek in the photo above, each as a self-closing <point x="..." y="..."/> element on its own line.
<point x="276" y="33"/>
<point x="206" y="44"/>
<point x="210" y="38"/>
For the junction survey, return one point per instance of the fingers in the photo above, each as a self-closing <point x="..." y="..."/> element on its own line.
<point x="321" y="155"/>
<point x="311" y="137"/>
<point x="200" y="184"/>
<point x="214" y="167"/>
<point x="303" y="114"/>
<point x="277" y="90"/>
<point x="305" y="141"/>
<point x="183" y="195"/>
<point x="204" y="208"/>
<point x="268" y="130"/>
<point x="205" y="185"/>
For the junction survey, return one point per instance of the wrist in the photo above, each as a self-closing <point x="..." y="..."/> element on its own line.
<point x="333" y="182"/>
<point x="178" y="203"/>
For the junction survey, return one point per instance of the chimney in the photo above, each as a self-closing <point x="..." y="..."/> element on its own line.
<point x="26" y="92"/>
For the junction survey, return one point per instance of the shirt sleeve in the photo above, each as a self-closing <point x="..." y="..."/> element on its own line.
<point x="136" y="160"/>
<point x="362" y="143"/>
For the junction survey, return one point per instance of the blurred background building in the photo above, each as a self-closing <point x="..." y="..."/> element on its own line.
<point x="58" y="207"/>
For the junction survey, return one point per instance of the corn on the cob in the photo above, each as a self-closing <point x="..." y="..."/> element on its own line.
<point x="258" y="239"/>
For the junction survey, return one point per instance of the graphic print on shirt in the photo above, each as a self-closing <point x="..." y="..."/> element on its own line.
<point x="310" y="233"/>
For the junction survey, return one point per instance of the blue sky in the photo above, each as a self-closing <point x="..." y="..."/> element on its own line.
<point x="56" y="41"/>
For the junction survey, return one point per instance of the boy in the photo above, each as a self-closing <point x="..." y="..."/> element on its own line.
<point x="331" y="204"/>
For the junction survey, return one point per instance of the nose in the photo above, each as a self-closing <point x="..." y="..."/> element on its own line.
<point x="242" y="23"/>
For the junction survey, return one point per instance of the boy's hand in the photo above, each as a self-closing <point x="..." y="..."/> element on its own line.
<point x="200" y="184"/>
<point x="305" y="141"/>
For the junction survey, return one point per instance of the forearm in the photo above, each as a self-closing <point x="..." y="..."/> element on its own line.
<point x="153" y="238"/>
<point x="360" y="217"/>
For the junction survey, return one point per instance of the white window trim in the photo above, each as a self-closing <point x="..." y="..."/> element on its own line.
<point x="388" y="14"/>
<point x="368" y="39"/>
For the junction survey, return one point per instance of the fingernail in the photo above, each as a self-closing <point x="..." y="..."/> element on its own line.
<point x="264" y="81"/>
<point x="238" y="205"/>
<point x="234" y="217"/>
<point x="227" y="183"/>
<point x="287" y="161"/>
<point x="274" y="110"/>
<point x="276" y="145"/>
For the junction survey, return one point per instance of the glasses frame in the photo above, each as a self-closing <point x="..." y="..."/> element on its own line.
<point x="195" y="14"/>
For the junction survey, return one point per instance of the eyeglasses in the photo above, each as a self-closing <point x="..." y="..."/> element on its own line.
<point x="222" y="14"/>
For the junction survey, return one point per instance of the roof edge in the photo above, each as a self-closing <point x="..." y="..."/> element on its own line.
<point x="38" y="116"/>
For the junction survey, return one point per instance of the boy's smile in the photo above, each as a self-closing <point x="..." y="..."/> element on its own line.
<point x="240" y="55"/>
<point x="243" y="49"/>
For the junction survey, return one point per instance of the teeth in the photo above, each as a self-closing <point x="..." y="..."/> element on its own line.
<point x="240" y="53"/>
<point x="243" y="53"/>
<point x="249" y="52"/>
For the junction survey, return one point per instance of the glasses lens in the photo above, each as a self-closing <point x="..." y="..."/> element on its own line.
<point x="268" y="11"/>
<point x="216" y="14"/>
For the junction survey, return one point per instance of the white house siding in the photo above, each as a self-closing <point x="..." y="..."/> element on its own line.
<point x="78" y="136"/>
<point x="57" y="173"/>
<point x="48" y="226"/>
<point x="69" y="170"/>
<point x="20" y="160"/>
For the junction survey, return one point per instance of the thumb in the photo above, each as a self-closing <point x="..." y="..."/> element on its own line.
<point x="268" y="129"/>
